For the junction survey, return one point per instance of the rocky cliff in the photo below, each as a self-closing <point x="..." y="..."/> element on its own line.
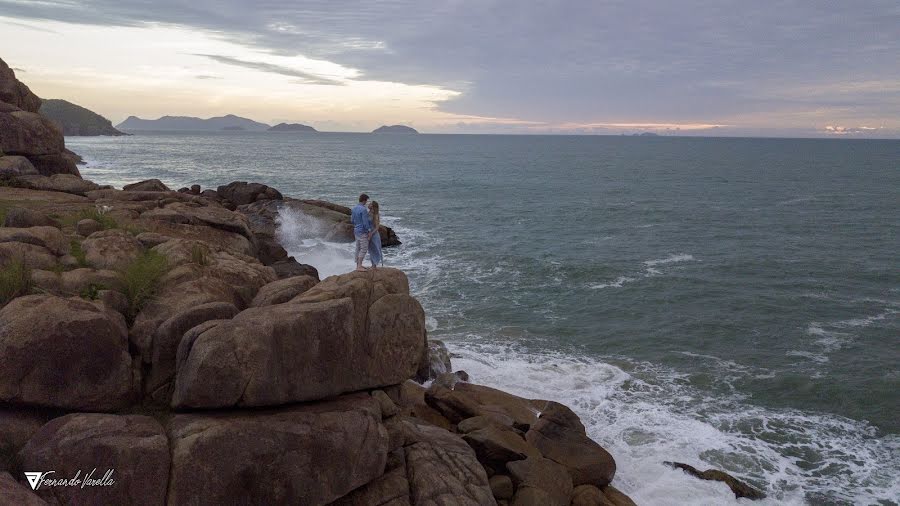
<point x="30" y="144"/>
<point x="166" y="339"/>
<point x="76" y="120"/>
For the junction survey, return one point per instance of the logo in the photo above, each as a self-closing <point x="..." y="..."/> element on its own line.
<point x="38" y="478"/>
<point x="34" y="478"/>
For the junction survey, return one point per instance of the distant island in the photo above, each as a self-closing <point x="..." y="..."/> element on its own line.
<point x="76" y="120"/>
<point x="292" y="127"/>
<point x="219" y="123"/>
<point x="394" y="129"/>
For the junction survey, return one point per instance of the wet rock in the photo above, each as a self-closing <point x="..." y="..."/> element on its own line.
<point x="283" y="290"/>
<point x="740" y="489"/>
<point x="435" y="362"/>
<point x="310" y="454"/>
<point x="83" y="349"/>
<point x="149" y="185"/>
<point x="134" y="447"/>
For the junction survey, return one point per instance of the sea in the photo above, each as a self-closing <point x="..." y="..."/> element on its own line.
<point x="729" y="303"/>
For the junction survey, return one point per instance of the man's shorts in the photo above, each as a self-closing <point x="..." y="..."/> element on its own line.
<point x="362" y="246"/>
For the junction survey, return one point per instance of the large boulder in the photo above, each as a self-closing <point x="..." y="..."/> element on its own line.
<point x="496" y="445"/>
<point x="587" y="462"/>
<point x="14" y="92"/>
<point x="358" y="332"/>
<point x="290" y="267"/>
<point x="282" y="290"/>
<point x="61" y="182"/>
<point x="197" y="214"/>
<point x="133" y="447"/>
<point x="16" y="494"/>
<point x="466" y="400"/>
<point x="48" y="237"/>
<point x="435" y="362"/>
<point x="22" y="217"/>
<point x="540" y="482"/>
<point x="241" y="192"/>
<point x="77" y="281"/>
<point x="30" y="255"/>
<point x="29" y="134"/>
<point x="166" y="340"/>
<point x="16" y="166"/>
<point x="310" y="454"/>
<point x="111" y="249"/>
<point x="64" y="353"/>
<point x="56" y="163"/>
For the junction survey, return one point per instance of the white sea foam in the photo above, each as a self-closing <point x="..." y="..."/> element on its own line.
<point x="671" y="259"/>
<point x="651" y="268"/>
<point x="621" y="280"/>
<point x="793" y="455"/>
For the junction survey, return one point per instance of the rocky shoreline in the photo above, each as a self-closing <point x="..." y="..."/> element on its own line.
<point x="161" y="347"/>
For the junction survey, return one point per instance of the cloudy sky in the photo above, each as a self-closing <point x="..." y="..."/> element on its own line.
<point x="715" y="67"/>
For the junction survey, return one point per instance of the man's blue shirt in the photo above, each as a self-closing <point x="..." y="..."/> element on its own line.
<point x="362" y="224"/>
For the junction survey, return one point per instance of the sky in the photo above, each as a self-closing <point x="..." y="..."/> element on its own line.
<point x="688" y="67"/>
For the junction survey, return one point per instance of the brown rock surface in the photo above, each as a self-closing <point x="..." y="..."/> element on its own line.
<point x="737" y="486"/>
<point x="20" y="217"/>
<point x="83" y="350"/>
<point x="153" y="185"/>
<point x="241" y="192"/>
<point x="134" y="447"/>
<point x="467" y="400"/>
<point x="540" y="481"/>
<point x="111" y="249"/>
<point x="283" y="290"/>
<point x="587" y="462"/>
<point x="16" y="93"/>
<point x="48" y="237"/>
<point x="16" y="494"/>
<point x="310" y="454"/>
<point x="16" y="166"/>
<point x="16" y="427"/>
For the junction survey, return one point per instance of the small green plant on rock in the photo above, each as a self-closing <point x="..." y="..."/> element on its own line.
<point x="200" y="254"/>
<point x="78" y="253"/>
<point x="91" y="291"/>
<point x="15" y="280"/>
<point x="142" y="280"/>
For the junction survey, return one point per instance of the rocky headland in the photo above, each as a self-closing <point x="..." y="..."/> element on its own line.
<point x="292" y="127"/>
<point x="394" y="129"/>
<point x="76" y="120"/>
<point x="161" y="347"/>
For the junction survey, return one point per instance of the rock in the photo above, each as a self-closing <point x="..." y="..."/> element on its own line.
<point x="195" y="189"/>
<point x="211" y="216"/>
<point x="484" y="421"/>
<point x="450" y="379"/>
<point x="134" y="447"/>
<point x="467" y="400"/>
<point x="16" y="166"/>
<point x="390" y="489"/>
<point x="496" y="445"/>
<point x="740" y="489"/>
<point x="435" y="362"/>
<point x="111" y="249"/>
<point x="441" y="468"/>
<point x="58" y="164"/>
<point x="83" y="349"/>
<point x="16" y="427"/>
<point x="542" y="480"/>
<point x="560" y="414"/>
<point x="388" y="408"/>
<point x="149" y="185"/>
<point x="587" y="462"/>
<point x="87" y="227"/>
<point x="20" y="217"/>
<point x="303" y="350"/>
<point x="166" y="340"/>
<point x="47" y="237"/>
<point x="65" y="183"/>
<point x="16" y="494"/>
<point x="151" y="239"/>
<point x="283" y="290"/>
<point x="78" y="280"/>
<point x="114" y="299"/>
<point x="32" y="256"/>
<point x="410" y="393"/>
<point x="240" y="192"/>
<point x="309" y="454"/>
<point x="501" y="486"/>
<point x="616" y="498"/>
<point x="29" y="134"/>
<point x="289" y="268"/>
<point x="14" y="92"/>
<point x="589" y="495"/>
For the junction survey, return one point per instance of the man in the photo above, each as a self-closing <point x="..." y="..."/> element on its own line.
<point x="362" y="230"/>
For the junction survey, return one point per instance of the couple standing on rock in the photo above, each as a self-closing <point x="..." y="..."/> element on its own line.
<point x="365" y="228"/>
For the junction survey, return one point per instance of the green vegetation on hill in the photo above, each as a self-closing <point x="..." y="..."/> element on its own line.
<point x="76" y="120"/>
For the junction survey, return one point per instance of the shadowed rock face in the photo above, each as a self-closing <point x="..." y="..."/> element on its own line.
<point x="65" y="353"/>
<point x="134" y="447"/>
<point x="310" y="454"/>
<point x="740" y="489"/>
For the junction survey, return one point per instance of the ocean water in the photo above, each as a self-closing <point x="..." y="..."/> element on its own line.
<point x="728" y="303"/>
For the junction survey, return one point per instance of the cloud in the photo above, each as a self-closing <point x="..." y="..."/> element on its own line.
<point x="304" y="77"/>
<point x="580" y="62"/>
<point x="206" y="77"/>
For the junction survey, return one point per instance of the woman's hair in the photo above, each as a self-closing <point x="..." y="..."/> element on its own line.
<point x="376" y="217"/>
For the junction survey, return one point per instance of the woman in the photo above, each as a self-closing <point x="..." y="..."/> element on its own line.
<point x="375" y="239"/>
